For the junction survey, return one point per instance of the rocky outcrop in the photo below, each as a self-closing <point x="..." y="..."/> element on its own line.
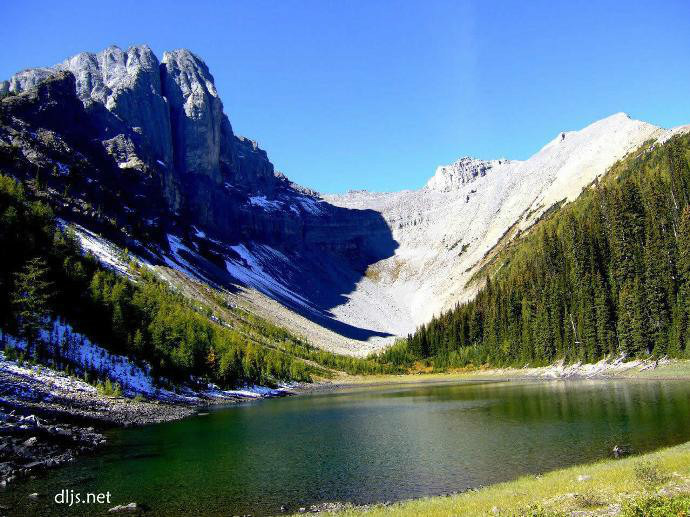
<point x="127" y="83"/>
<point x="164" y="120"/>
<point x="463" y="171"/>
<point x="203" y="139"/>
<point x="175" y="110"/>
<point x="29" y="444"/>
<point x="51" y="102"/>
<point x="196" y="114"/>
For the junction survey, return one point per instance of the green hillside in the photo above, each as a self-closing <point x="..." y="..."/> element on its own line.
<point x="604" y="275"/>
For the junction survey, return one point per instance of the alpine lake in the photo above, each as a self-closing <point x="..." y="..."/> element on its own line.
<point x="363" y="445"/>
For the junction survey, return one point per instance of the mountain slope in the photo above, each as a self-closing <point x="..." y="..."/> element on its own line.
<point x="195" y="197"/>
<point x="607" y="275"/>
<point x="445" y="230"/>
<point x="139" y="152"/>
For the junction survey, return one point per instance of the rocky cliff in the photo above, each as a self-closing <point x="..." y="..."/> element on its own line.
<point x="165" y="120"/>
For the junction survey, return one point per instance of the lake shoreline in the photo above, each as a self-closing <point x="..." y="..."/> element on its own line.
<point x="43" y="429"/>
<point x="618" y="370"/>
<point x="48" y="418"/>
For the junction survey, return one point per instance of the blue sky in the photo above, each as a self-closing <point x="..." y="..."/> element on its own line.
<point x="375" y="94"/>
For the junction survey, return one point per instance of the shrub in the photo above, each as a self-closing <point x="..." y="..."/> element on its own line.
<point x="10" y="353"/>
<point x="648" y="473"/>
<point x="589" y="499"/>
<point x="678" y="506"/>
<point x="109" y="389"/>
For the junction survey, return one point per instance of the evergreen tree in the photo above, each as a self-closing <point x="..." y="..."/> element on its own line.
<point x="32" y="293"/>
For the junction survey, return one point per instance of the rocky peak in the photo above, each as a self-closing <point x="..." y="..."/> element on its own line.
<point x="196" y="114"/>
<point x="174" y="107"/>
<point x="52" y="102"/>
<point x="127" y="83"/>
<point x="462" y="171"/>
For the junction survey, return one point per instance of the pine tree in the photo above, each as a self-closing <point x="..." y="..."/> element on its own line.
<point x="32" y="293"/>
<point x="604" y="337"/>
<point x="683" y="298"/>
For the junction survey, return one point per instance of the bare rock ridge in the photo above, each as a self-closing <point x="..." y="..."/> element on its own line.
<point x="173" y="105"/>
<point x="462" y="171"/>
<point x="172" y="125"/>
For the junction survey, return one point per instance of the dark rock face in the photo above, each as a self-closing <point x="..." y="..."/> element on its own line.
<point x="144" y="149"/>
<point x="93" y="168"/>
<point x="196" y="113"/>
<point x="166" y="119"/>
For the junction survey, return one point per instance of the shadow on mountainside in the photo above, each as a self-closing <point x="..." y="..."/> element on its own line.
<point x="310" y="273"/>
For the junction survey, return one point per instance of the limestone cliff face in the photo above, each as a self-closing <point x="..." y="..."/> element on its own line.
<point x="174" y="108"/>
<point x="127" y="83"/>
<point x="163" y="121"/>
<point x="196" y="114"/>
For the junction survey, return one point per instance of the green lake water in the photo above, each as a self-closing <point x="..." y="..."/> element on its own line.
<point x="365" y="445"/>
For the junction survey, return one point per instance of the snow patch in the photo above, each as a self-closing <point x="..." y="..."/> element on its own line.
<point x="177" y="261"/>
<point x="109" y="255"/>
<point x="78" y="349"/>
<point x="251" y="272"/>
<point x="311" y="205"/>
<point x="266" y="204"/>
<point x="198" y="233"/>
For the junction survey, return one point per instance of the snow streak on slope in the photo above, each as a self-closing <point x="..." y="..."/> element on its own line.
<point x="249" y="269"/>
<point x="445" y="229"/>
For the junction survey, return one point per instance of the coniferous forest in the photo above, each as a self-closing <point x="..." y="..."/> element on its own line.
<point x="606" y="275"/>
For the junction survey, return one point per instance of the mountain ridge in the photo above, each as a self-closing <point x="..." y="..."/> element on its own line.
<point x="351" y="270"/>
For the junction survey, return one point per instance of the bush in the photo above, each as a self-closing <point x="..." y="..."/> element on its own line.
<point x="589" y="499"/>
<point x="678" y="506"/>
<point x="648" y="474"/>
<point x="10" y="353"/>
<point x="109" y="389"/>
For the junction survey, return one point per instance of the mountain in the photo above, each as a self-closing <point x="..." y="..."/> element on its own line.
<point x="448" y="230"/>
<point x="139" y="153"/>
<point x="608" y="275"/>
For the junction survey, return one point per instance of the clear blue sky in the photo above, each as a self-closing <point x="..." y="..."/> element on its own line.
<point x="374" y="94"/>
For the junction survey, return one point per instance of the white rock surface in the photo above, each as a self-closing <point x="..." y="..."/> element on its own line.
<point x="445" y="229"/>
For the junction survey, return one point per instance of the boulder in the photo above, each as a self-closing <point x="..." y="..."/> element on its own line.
<point x="30" y="442"/>
<point x="124" y="508"/>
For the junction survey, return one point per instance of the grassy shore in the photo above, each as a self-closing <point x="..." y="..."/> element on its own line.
<point x="654" y="484"/>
